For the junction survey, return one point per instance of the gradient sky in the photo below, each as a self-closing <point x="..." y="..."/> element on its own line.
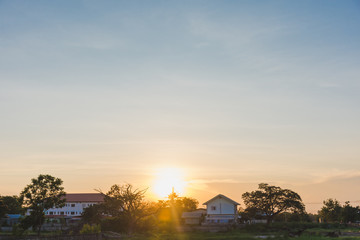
<point x="233" y="92"/>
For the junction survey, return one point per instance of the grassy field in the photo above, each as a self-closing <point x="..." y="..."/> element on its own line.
<point x="247" y="234"/>
<point x="308" y="231"/>
<point x="235" y="235"/>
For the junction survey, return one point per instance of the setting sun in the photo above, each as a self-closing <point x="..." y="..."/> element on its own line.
<point x="168" y="178"/>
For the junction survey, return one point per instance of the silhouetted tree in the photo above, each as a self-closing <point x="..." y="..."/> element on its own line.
<point x="93" y="214"/>
<point x="349" y="213"/>
<point x="10" y="205"/>
<point x="170" y="210"/>
<point x="127" y="206"/>
<point x="43" y="193"/>
<point x="271" y="201"/>
<point x="331" y="211"/>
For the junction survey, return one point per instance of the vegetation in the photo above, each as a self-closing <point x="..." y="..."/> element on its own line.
<point x="43" y="193"/>
<point x="126" y="206"/>
<point x="332" y="211"/>
<point x="125" y="210"/>
<point x="10" y="205"/>
<point x="86" y="229"/>
<point x="270" y="201"/>
<point x="170" y="210"/>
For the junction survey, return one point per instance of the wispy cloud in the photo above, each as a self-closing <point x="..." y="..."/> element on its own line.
<point x="335" y="174"/>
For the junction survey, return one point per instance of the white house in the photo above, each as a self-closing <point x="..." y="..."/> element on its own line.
<point x="221" y="210"/>
<point x="75" y="205"/>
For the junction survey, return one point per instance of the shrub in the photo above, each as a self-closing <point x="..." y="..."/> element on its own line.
<point x="86" y="229"/>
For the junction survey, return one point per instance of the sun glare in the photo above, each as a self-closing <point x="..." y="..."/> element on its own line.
<point x="167" y="179"/>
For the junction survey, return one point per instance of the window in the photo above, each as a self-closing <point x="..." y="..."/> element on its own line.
<point x="73" y="205"/>
<point x="61" y="213"/>
<point x="51" y="213"/>
<point x="213" y="208"/>
<point x="72" y="213"/>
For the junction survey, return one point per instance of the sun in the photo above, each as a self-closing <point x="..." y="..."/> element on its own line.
<point x="167" y="179"/>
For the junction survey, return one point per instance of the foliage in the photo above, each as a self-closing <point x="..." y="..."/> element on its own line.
<point x="170" y="211"/>
<point x="179" y="204"/>
<point x="93" y="214"/>
<point x="293" y="217"/>
<point x="43" y="193"/>
<point x="332" y="211"/>
<point x="270" y="201"/>
<point x="127" y="205"/>
<point x="87" y="228"/>
<point x="10" y="205"/>
<point x="349" y="213"/>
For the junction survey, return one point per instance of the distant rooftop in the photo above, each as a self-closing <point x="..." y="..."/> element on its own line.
<point x="84" y="197"/>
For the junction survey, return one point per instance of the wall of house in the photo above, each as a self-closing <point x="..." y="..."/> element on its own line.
<point x="220" y="206"/>
<point x="70" y="209"/>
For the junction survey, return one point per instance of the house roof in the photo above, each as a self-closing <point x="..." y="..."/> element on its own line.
<point x="221" y="196"/>
<point x="84" y="197"/>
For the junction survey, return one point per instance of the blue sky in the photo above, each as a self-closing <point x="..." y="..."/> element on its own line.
<point x="235" y="92"/>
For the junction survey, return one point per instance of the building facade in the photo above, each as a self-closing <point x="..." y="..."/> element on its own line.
<point x="75" y="205"/>
<point x="221" y="210"/>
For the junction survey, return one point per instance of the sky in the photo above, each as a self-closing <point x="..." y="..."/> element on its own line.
<point x="233" y="93"/>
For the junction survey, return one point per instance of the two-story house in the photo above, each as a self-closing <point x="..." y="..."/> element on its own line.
<point x="221" y="210"/>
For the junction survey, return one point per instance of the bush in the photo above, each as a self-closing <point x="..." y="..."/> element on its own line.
<point x="114" y="224"/>
<point x="86" y="229"/>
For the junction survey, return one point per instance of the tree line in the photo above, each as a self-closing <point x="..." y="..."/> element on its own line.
<point x="125" y="208"/>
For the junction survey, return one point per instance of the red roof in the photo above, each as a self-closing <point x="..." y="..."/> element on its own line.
<point x="84" y="197"/>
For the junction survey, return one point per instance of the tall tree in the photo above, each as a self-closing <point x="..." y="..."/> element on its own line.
<point x="128" y="204"/>
<point x="331" y="211"/>
<point x="349" y="213"/>
<point x="43" y="193"/>
<point x="271" y="201"/>
<point x="170" y="210"/>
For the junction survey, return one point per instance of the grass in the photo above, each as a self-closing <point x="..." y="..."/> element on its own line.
<point x="257" y="232"/>
<point x="229" y="236"/>
<point x="252" y="232"/>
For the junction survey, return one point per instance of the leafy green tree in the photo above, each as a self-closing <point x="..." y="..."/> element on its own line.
<point x="331" y="211"/>
<point x="349" y="213"/>
<point x="93" y="214"/>
<point x="43" y="193"/>
<point x="10" y="205"/>
<point x="270" y="201"/>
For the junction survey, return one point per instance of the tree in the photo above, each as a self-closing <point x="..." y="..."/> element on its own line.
<point x="127" y="206"/>
<point x="43" y="193"/>
<point x="270" y="201"/>
<point x="10" y="205"/>
<point x="331" y="211"/>
<point x="170" y="210"/>
<point x="93" y="214"/>
<point x="349" y="213"/>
